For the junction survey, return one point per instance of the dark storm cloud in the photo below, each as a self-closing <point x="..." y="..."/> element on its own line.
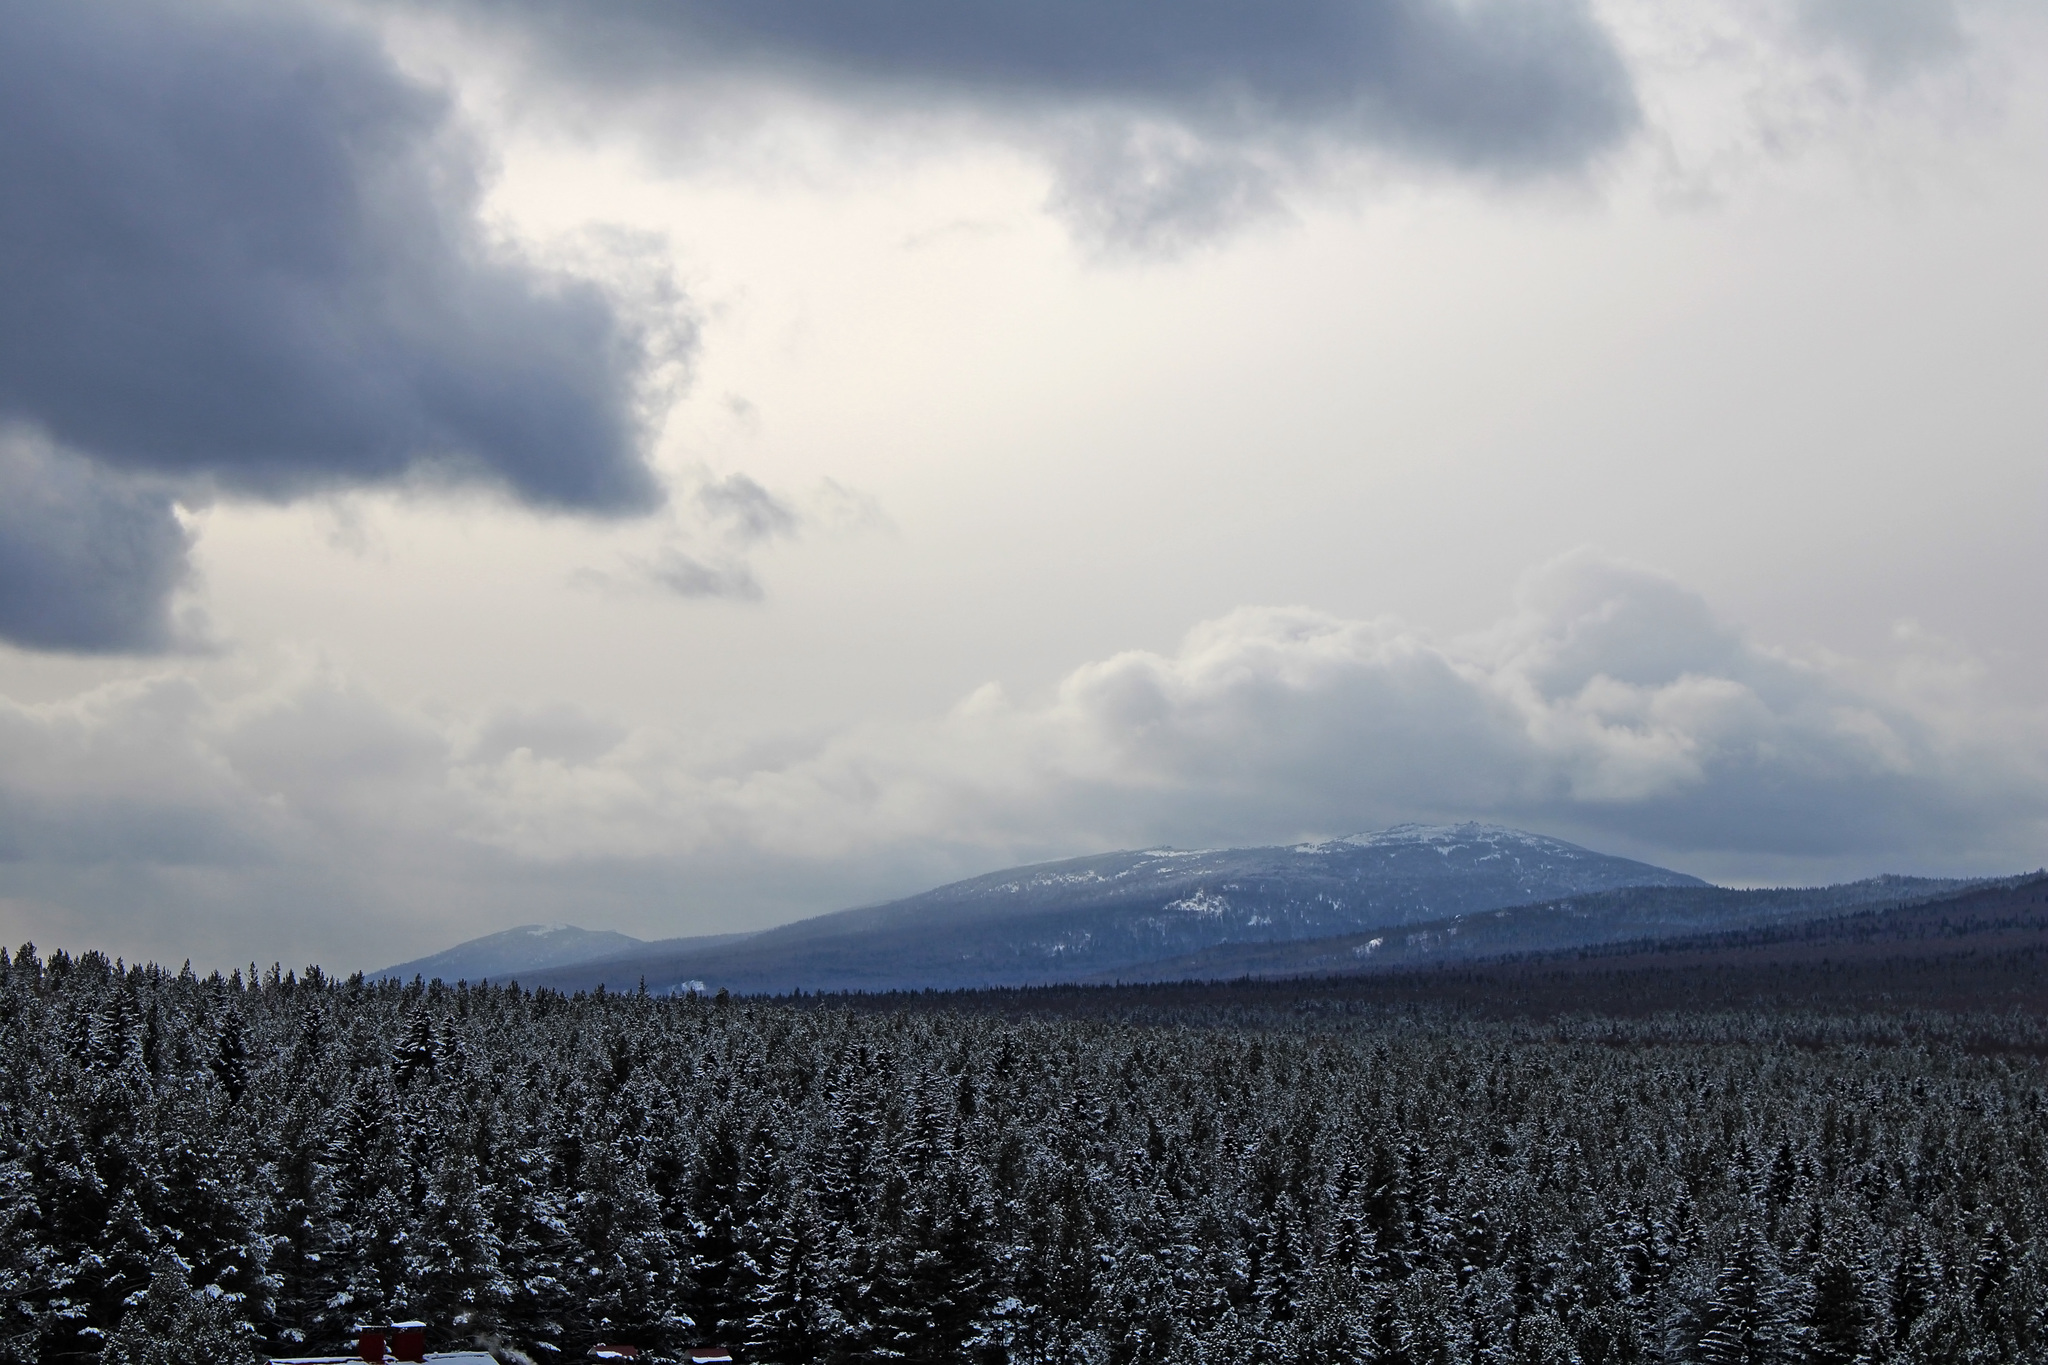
<point x="237" y="245"/>
<point x="1168" y="114"/>
<point x="239" y="252"/>
<point x="1531" y="83"/>
<point x="88" y="559"/>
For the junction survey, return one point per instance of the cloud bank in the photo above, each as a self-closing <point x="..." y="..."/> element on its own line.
<point x="1612" y="705"/>
<point x="240" y="253"/>
<point x="1508" y="85"/>
<point x="1169" y="121"/>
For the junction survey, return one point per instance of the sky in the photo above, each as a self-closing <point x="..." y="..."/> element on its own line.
<point x="680" y="469"/>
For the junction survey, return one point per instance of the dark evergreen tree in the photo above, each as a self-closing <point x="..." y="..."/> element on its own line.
<point x="790" y="1315"/>
<point x="231" y="1057"/>
<point x="300" y="1226"/>
<point x="627" y="1283"/>
<point x="455" y="1257"/>
<point x="1839" y="1316"/>
<point x="170" y="1323"/>
<point x="1747" y="1318"/>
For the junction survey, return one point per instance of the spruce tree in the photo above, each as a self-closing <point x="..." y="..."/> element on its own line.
<point x="1839" y="1319"/>
<point x="1745" y="1319"/>
<point x="170" y="1324"/>
<point x="454" y="1257"/>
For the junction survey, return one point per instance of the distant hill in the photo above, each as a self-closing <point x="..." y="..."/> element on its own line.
<point x="527" y="949"/>
<point x="532" y="948"/>
<point x="1070" y="920"/>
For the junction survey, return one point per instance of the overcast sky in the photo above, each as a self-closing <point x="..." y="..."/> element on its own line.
<point x="680" y="468"/>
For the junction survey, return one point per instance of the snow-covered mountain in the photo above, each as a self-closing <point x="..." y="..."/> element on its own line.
<point x="1083" y="916"/>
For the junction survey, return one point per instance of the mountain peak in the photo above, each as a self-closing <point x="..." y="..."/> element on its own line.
<point x="1446" y="839"/>
<point x="1468" y="832"/>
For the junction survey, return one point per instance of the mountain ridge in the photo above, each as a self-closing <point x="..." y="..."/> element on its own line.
<point x="528" y="948"/>
<point x="1406" y="896"/>
<point x="1065" y="919"/>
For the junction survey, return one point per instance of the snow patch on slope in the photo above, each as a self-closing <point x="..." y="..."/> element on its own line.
<point x="1203" y="903"/>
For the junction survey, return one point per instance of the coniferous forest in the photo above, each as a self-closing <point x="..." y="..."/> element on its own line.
<point x="213" y="1168"/>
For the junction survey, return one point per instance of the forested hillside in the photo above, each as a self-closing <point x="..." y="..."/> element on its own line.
<point x="1622" y="915"/>
<point x="813" y="1182"/>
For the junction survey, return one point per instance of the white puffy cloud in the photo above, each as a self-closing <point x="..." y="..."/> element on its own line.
<point x="1612" y="702"/>
<point x="1611" y="705"/>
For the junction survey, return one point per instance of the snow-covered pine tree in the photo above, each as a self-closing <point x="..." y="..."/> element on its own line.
<point x="170" y="1323"/>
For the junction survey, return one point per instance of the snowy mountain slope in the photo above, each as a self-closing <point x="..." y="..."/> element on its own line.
<point x="1066" y="920"/>
<point x="1627" y="914"/>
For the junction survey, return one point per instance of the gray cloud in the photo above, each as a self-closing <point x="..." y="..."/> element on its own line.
<point x="1185" y="110"/>
<point x="238" y="248"/>
<point x="705" y="552"/>
<point x="89" y="559"/>
<point x="1157" y="190"/>
<point x="686" y="575"/>
<point x="563" y="733"/>
<point x="126" y="774"/>
<point x="1889" y="39"/>
<point x="747" y="511"/>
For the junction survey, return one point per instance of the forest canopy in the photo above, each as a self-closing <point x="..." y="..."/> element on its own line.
<point x="258" y="1163"/>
